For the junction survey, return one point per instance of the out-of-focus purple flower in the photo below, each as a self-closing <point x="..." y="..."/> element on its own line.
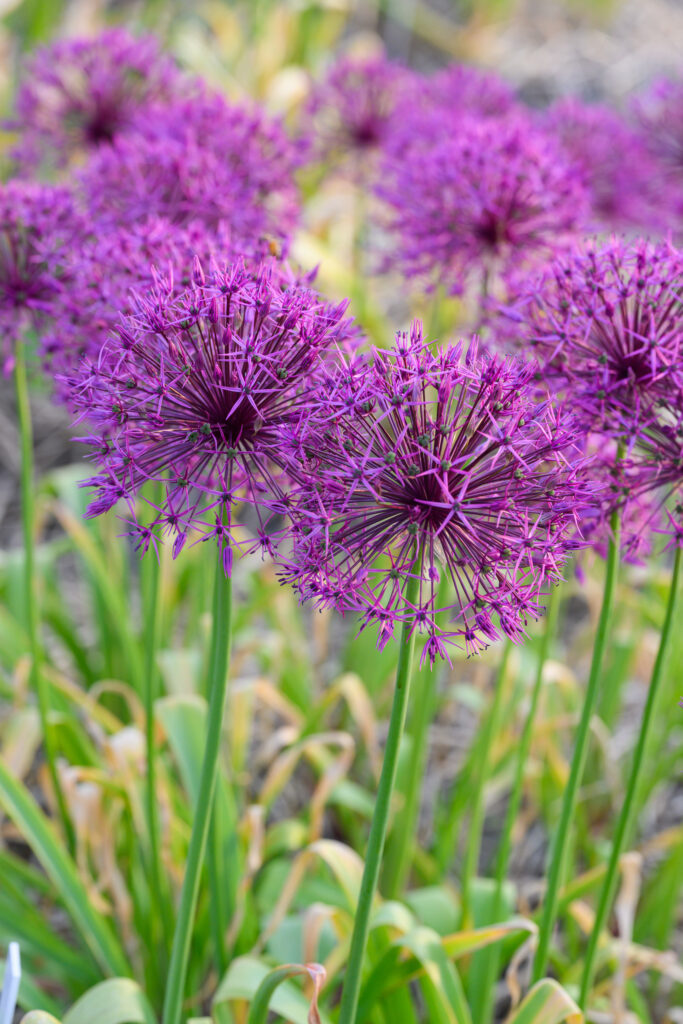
<point x="77" y="94"/>
<point x="226" y="170"/>
<point x="612" y="159"/>
<point x="496" y="193"/>
<point x="195" y="391"/>
<point x="108" y="268"/>
<point x="40" y="237"/>
<point x="350" y="113"/>
<point x="437" y="103"/>
<point x="431" y="465"/>
<point x="640" y="511"/>
<point x="606" y="322"/>
<point x="658" y="110"/>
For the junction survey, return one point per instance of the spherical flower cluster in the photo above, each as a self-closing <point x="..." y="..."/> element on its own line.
<point x="659" y="112"/>
<point x="494" y="194"/>
<point x="195" y="393"/>
<point x="419" y="466"/>
<point x="352" y="110"/>
<point x="616" y="490"/>
<point x="40" y="233"/>
<point x="225" y="169"/>
<point x="611" y="158"/>
<point x="77" y="94"/>
<point x="437" y="103"/>
<point x="111" y="266"/>
<point x="606" y="321"/>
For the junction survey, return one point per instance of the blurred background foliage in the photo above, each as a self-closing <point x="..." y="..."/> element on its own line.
<point x="308" y="701"/>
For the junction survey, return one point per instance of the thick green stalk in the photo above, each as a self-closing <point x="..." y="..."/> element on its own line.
<point x="561" y="840"/>
<point x="625" y="823"/>
<point x="476" y="826"/>
<point x="37" y="680"/>
<point x="218" y="676"/>
<point x="150" y="579"/>
<point x="505" y="848"/>
<point x="401" y="841"/>
<point x="378" y="829"/>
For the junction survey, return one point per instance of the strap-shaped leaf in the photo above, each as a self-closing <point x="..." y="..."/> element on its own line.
<point x="38" y="832"/>
<point x="243" y="980"/>
<point x="547" y="1003"/>
<point x="258" y="1011"/>
<point x="116" y="1001"/>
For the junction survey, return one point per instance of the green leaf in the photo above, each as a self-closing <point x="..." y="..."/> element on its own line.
<point x="441" y="984"/>
<point x="547" y="1003"/>
<point x="258" y="1011"/>
<point x="38" y="832"/>
<point x="116" y="1001"/>
<point x="242" y="981"/>
<point x="39" y="1017"/>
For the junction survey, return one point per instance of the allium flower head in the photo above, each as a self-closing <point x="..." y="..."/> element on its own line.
<point x="617" y="490"/>
<point x="40" y="233"/>
<point x="77" y="94"/>
<point x="195" y="391"/>
<point x="438" y="103"/>
<point x="607" y="321"/>
<point x="226" y="170"/>
<point x="611" y="158"/>
<point x="659" y="112"/>
<point x="352" y="109"/>
<point x="108" y="267"/>
<point x="494" y="194"/>
<point x="434" y="465"/>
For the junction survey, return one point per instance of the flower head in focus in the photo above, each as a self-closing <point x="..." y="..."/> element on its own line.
<point x="78" y="94"/>
<point x="40" y="237"/>
<point x="606" y="321"/>
<point x="495" y="194"/>
<point x="440" y="467"/>
<point x="204" y="165"/>
<point x="195" y="391"/>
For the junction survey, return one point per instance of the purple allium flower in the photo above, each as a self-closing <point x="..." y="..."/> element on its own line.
<point x="195" y="392"/>
<point x="494" y="194"/>
<point x="107" y="269"/>
<point x="352" y="110"/>
<point x="436" y="104"/>
<point x="434" y="464"/>
<point x="77" y="94"/>
<point x="226" y="170"/>
<point x="40" y="232"/>
<point x="606" y="321"/>
<point x="611" y="158"/>
<point x="659" y="112"/>
<point x="640" y="512"/>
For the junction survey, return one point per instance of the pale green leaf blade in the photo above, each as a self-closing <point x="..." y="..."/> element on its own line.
<point x="547" y="1003"/>
<point x="38" y="832"/>
<point x="116" y="1001"/>
<point x="242" y="981"/>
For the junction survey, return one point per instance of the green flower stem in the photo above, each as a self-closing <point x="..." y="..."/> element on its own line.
<point x="625" y="823"/>
<point x="37" y="680"/>
<point x="218" y="676"/>
<point x="561" y="841"/>
<point x="476" y="826"/>
<point x="402" y="839"/>
<point x="505" y="848"/>
<point x="378" y="829"/>
<point x="150" y="578"/>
